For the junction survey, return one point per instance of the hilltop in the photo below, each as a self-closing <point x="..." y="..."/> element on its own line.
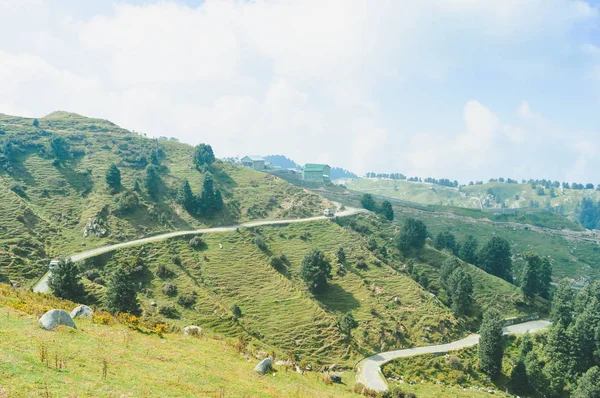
<point x="47" y="204"/>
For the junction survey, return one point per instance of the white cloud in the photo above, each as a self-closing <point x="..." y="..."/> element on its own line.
<point x="336" y="80"/>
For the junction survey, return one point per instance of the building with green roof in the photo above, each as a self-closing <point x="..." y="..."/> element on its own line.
<point x="254" y="162"/>
<point x="313" y="172"/>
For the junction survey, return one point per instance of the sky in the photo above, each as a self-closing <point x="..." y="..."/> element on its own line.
<point x="459" y="89"/>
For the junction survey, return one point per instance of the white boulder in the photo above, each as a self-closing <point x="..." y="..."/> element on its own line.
<point x="83" y="311"/>
<point x="53" y="318"/>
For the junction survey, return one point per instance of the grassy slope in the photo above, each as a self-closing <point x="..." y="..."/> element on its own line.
<point x="472" y="196"/>
<point x="575" y="257"/>
<point x="282" y="315"/>
<point x="279" y="311"/>
<point x="49" y="219"/>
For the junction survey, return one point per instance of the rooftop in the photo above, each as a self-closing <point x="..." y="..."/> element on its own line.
<point x="254" y="158"/>
<point x="315" y="167"/>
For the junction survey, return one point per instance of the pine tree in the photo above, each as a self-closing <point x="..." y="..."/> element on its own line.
<point x="412" y="235"/>
<point x="368" y="202"/>
<point x="121" y="293"/>
<point x="185" y="197"/>
<point x="347" y="323"/>
<point x="530" y="274"/>
<point x="315" y="270"/>
<point x="562" y="303"/>
<point x="386" y="210"/>
<point x="535" y="374"/>
<point x="462" y="291"/>
<point x="203" y="155"/>
<point x="113" y="177"/>
<point x="545" y="279"/>
<point x="518" y="378"/>
<point x="65" y="280"/>
<point x="561" y="355"/>
<point x="448" y="266"/>
<point x="152" y="181"/>
<point x="589" y="384"/>
<point x="468" y="250"/>
<point x="341" y="255"/>
<point x="495" y="258"/>
<point x="491" y="348"/>
<point x="582" y="332"/>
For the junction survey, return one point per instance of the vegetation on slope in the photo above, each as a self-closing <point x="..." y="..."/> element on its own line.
<point x="53" y="189"/>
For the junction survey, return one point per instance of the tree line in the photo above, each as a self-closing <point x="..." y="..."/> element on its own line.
<point x="384" y="208"/>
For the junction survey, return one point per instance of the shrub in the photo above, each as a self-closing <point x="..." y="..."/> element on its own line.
<point x="236" y="311"/>
<point x="168" y="310"/>
<point x="99" y="281"/>
<point x="196" y="242"/>
<point x="362" y="264"/>
<point x="170" y="290"/>
<point x="276" y="263"/>
<point x="128" y="201"/>
<point x="455" y="362"/>
<point x="160" y="329"/>
<point x="261" y="243"/>
<point x="92" y="274"/>
<point x="187" y="300"/>
<point x="102" y="318"/>
<point x="162" y="271"/>
<point x="19" y="189"/>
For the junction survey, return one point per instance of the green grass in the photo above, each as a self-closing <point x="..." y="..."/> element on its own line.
<point x="138" y="364"/>
<point x="49" y="218"/>
<point x="474" y="197"/>
<point x="393" y="311"/>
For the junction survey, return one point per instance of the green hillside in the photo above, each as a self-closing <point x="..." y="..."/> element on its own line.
<point x="280" y="314"/>
<point x="487" y="196"/>
<point x="45" y="204"/>
<point x="573" y="251"/>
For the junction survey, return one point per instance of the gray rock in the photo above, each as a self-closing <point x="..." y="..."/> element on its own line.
<point x="264" y="366"/>
<point x="335" y="378"/>
<point x="83" y="311"/>
<point x="53" y="318"/>
<point x="192" y="330"/>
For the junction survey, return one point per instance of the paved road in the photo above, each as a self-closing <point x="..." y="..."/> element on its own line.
<point x="369" y="371"/>
<point x="42" y="285"/>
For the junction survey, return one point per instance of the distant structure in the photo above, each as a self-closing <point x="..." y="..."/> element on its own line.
<point x="254" y="162"/>
<point x="313" y="172"/>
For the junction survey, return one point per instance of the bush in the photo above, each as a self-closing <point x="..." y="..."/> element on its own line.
<point x="276" y="263"/>
<point x="362" y="264"/>
<point x="455" y="362"/>
<point x="19" y="189"/>
<point x="99" y="281"/>
<point x="168" y="310"/>
<point x="92" y="274"/>
<point x="162" y="271"/>
<point x="196" y="242"/>
<point x="170" y="290"/>
<point x="236" y="311"/>
<point x="187" y="300"/>
<point x="128" y="201"/>
<point x="261" y="243"/>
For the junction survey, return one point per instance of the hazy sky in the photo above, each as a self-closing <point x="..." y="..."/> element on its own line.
<point x="464" y="89"/>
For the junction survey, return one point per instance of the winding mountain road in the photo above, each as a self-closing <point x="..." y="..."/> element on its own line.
<point x="369" y="369"/>
<point x="42" y="285"/>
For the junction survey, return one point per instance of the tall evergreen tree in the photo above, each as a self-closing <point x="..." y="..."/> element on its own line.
<point x="185" y="197"/>
<point x="462" y="291"/>
<point x="563" y="303"/>
<point x="468" y="250"/>
<point x="530" y="274"/>
<point x="495" y="258"/>
<point x="368" y="202"/>
<point x="412" y="235"/>
<point x="561" y="355"/>
<point x="113" y="177"/>
<point x="61" y="148"/>
<point x="65" y="280"/>
<point x="545" y="279"/>
<point x="347" y="323"/>
<point x="589" y="385"/>
<point x="152" y="181"/>
<point x="448" y="266"/>
<point x="491" y="348"/>
<point x="582" y="332"/>
<point x="315" y="270"/>
<point x="121" y="293"/>
<point x="386" y="210"/>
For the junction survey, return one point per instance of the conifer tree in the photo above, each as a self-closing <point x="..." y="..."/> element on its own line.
<point x="121" y="293"/>
<point x="491" y="348"/>
<point x="65" y="280"/>
<point x="113" y="177"/>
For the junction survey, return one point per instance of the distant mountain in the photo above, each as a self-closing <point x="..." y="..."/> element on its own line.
<point x="337" y="173"/>
<point x="282" y="161"/>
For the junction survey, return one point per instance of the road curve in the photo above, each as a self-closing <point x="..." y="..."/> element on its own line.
<point x="42" y="285"/>
<point x="369" y="369"/>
